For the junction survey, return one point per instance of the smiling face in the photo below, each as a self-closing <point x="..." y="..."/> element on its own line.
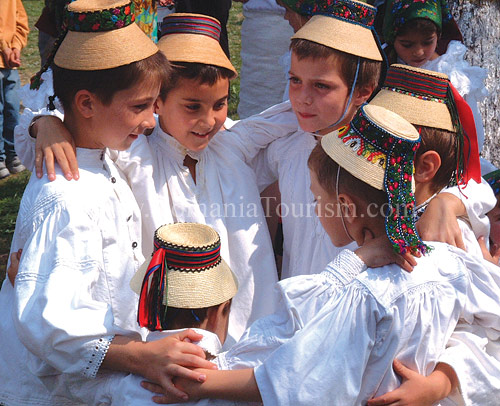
<point x="318" y="94"/>
<point x="416" y="48"/>
<point x="119" y="123"/>
<point x="193" y="112"/>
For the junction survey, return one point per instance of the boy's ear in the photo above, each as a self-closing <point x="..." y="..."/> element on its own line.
<point x="85" y="103"/>
<point x="426" y="166"/>
<point x="348" y="207"/>
<point x="363" y="93"/>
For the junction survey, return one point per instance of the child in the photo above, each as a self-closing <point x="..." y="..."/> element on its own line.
<point x="448" y="154"/>
<point x="428" y="100"/>
<point x="198" y="288"/>
<point x="71" y="313"/>
<point x="412" y="28"/>
<point x="343" y="354"/>
<point x="13" y="38"/>
<point x="187" y="167"/>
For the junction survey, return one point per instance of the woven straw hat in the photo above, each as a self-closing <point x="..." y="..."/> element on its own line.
<point x="362" y="157"/>
<point x="346" y="26"/>
<point x="195" y="275"/>
<point x="102" y="35"/>
<point x="378" y="147"/>
<point x="193" y="38"/>
<point x="418" y="95"/>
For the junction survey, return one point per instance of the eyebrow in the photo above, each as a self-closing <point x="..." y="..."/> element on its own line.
<point x="188" y="99"/>
<point x="143" y="101"/>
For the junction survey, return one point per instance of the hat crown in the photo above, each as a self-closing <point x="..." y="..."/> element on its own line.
<point x="189" y="246"/>
<point x="185" y="23"/>
<point x="421" y="83"/>
<point x="98" y="15"/>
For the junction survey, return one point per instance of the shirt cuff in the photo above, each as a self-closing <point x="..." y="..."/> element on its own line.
<point x="346" y="266"/>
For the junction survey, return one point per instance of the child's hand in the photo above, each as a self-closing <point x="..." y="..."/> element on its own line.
<point x="416" y="389"/>
<point x="15" y="257"/>
<point x="53" y="141"/>
<point x="439" y="221"/>
<point x="15" y="58"/>
<point x="6" y="57"/>
<point x="377" y="252"/>
<point x="493" y="255"/>
<point x="162" y="398"/>
<point x="173" y="356"/>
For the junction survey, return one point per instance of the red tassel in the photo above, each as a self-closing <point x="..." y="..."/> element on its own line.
<point x="147" y="315"/>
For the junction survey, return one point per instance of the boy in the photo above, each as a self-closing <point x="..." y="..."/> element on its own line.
<point x="428" y="100"/>
<point x="199" y="287"/>
<point x="446" y="156"/>
<point x="188" y="167"/>
<point x="13" y="38"/>
<point x="343" y="355"/>
<point x="71" y="313"/>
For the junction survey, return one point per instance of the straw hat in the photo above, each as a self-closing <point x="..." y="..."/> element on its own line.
<point x="186" y="271"/>
<point x="193" y="38"/>
<point x="378" y="147"/>
<point x="418" y="95"/>
<point x="102" y="35"/>
<point x="344" y="25"/>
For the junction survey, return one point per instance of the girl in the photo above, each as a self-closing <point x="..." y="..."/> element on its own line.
<point x="412" y="28"/>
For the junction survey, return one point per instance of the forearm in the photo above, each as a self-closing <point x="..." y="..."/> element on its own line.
<point x="124" y="354"/>
<point x="444" y="380"/>
<point x="238" y="385"/>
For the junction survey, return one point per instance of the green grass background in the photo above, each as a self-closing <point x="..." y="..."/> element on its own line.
<point x="11" y="188"/>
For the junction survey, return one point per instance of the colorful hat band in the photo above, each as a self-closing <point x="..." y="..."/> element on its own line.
<point x="424" y="87"/>
<point x="352" y="12"/>
<point x="152" y="298"/>
<point x="94" y="21"/>
<point x="99" y="21"/>
<point x="191" y="25"/>
<point x="396" y="154"/>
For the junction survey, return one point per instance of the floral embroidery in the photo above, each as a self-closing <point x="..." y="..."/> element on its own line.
<point x="103" y="20"/>
<point x="493" y="179"/>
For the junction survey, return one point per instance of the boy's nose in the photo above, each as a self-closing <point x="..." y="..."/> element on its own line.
<point x="149" y="121"/>
<point x="305" y="97"/>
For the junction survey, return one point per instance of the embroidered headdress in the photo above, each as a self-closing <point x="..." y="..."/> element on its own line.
<point x="344" y="25"/>
<point x="427" y="98"/>
<point x="193" y="38"/>
<point x="98" y="35"/>
<point x="399" y="12"/>
<point x="493" y="178"/>
<point x="378" y="147"/>
<point x="186" y="271"/>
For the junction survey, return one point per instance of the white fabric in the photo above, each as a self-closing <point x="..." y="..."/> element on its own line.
<point x="264" y="5"/>
<point x="467" y="79"/>
<point x="307" y="248"/>
<point x="345" y="353"/>
<point x="265" y="36"/>
<point x="301" y="298"/>
<point x="120" y="389"/>
<point x="478" y="199"/>
<point x="81" y="246"/>
<point x="225" y="197"/>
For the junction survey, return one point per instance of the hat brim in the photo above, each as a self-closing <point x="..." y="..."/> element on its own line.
<point x="194" y="48"/>
<point x="341" y="35"/>
<point x="420" y="112"/>
<point x="104" y="50"/>
<point x="193" y="290"/>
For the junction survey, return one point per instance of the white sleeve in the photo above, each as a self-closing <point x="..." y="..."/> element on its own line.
<point x="478" y="371"/>
<point x="327" y="359"/>
<point x="478" y="199"/>
<point x="249" y="136"/>
<point x="56" y="315"/>
<point x="24" y="143"/>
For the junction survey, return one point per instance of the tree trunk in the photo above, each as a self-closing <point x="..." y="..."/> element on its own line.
<point x="479" y="23"/>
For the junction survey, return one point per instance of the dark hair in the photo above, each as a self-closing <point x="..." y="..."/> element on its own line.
<point x="106" y="82"/>
<point x="203" y="73"/>
<point x="444" y="143"/>
<point x="176" y="317"/>
<point x="369" y="71"/>
<point x="421" y="26"/>
<point x="325" y="169"/>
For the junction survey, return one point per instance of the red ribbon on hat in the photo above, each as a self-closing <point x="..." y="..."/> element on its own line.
<point x="472" y="166"/>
